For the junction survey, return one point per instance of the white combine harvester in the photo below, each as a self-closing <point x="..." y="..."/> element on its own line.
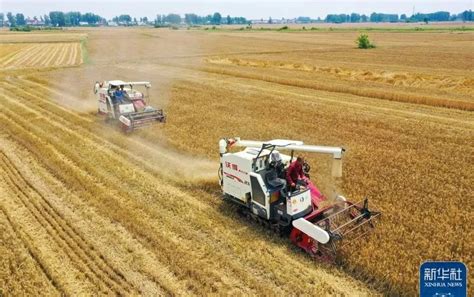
<point x="254" y="179"/>
<point x="131" y="109"/>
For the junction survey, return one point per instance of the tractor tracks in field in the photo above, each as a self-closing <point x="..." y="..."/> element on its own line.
<point x="44" y="55"/>
<point x="41" y="57"/>
<point x="103" y="174"/>
<point x="52" y="55"/>
<point x="98" y="168"/>
<point x="153" y="278"/>
<point x="32" y="252"/>
<point x="91" y="262"/>
<point x="72" y="159"/>
<point x="5" y="61"/>
<point x="27" y="55"/>
<point x="62" y="55"/>
<point x="73" y="50"/>
<point x="77" y="123"/>
<point x="300" y="94"/>
<point x="424" y="100"/>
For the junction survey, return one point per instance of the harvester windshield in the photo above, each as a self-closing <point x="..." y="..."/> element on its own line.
<point x="133" y="90"/>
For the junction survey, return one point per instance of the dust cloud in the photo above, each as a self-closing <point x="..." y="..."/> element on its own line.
<point x="175" y="165"/>
<point x="321" y="176"/>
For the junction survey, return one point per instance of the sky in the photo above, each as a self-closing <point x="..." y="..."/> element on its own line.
<point x="255" y="9"/>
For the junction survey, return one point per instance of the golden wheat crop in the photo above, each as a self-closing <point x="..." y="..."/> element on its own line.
<point x="90" y="210"/>
<point x="40" y="55"/>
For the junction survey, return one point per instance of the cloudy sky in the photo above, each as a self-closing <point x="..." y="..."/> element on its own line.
<point x="252" y="9"/>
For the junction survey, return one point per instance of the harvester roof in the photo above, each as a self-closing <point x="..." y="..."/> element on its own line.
<point x="284" y="142"/>
<point x="130" y="83"/>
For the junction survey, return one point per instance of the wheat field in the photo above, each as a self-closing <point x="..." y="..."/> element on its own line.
<point x="85" y="209"/>
<point x="41" y="55"/>
<point x="40" y="50"/>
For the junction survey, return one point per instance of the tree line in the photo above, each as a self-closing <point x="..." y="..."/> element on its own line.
<point x="176" y="19"/>
<point x="194" y="19"/>
<point x="440" y="16"/>
<point x="74" y="18"/>
<point x="54" y="18"/>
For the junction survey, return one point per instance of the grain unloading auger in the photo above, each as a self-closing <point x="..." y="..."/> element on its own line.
<point x="255" y="178"/>
<point x="123" y="102"/>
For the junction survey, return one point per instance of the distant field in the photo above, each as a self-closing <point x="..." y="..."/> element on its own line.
<point x="19" y="50"/>
<point x="39" y="36"/>
<point x="86" y="209"/>
<point x="388" y="27"/>
<point x="38" y="55"/>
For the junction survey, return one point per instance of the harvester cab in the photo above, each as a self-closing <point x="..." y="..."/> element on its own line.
<point x="127" y="103"/>
<point x="254" y="179"/>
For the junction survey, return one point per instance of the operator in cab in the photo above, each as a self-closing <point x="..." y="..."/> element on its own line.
<point x="120" y="95"/>
<point x="295" y="173"/>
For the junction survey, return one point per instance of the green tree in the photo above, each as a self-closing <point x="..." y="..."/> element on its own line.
<point x="303" y="20"/>
<point x="125" y="19"/>
<point x="72" y="18"/>
<point x="191" y="19"/>
<point x="374" y="17"/>
<point x="229" y="20"/>
<point x="467" y="16"/>
<point x="173" y="18"/>
<point x="57" y="18"/>
<point x="47" y="21"/>
<point x="439" y="16"/>
<point x="383" y="17"/>
<point x="363" y="42"/>
<point x="93" y="19"/>
<point x="159" y="19"/>
<point x="355" y="17"/>
<point x="20" y="19"/>
<point x="216" y="18"/>
<point x="337" y="18"/>
<point x="11" y="19"/>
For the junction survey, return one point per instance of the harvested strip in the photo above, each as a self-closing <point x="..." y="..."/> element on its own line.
<point x="134" y="190"/>
<point x="20" y="54"/>
<point x="60" y="59"/>
<point x="20" y="269"/>
<point x="74" y="246"/>
<point x="44" y="55"/>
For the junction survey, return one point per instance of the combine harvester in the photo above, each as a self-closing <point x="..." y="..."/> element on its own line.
<point x="121" y="102"/>
<point x="254" y="179"/>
